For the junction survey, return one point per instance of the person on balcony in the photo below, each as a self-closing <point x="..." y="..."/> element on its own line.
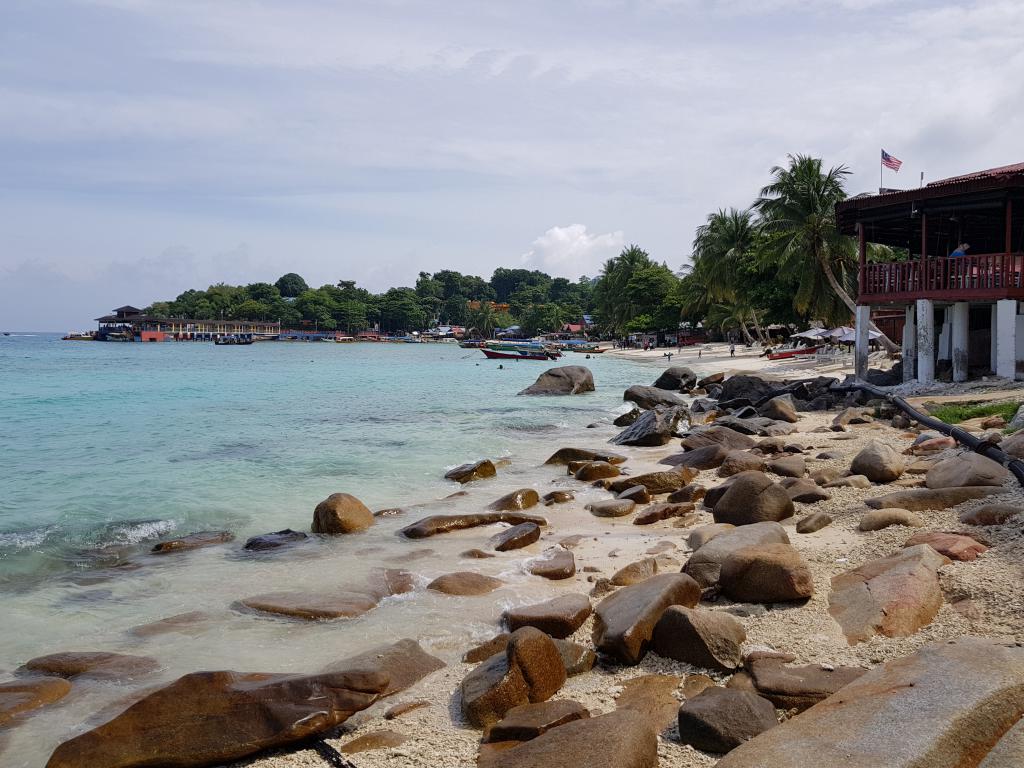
<point x="961" y="250"/>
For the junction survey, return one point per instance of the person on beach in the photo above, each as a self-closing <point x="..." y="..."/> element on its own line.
<point x="732" y="349"/>
<point x="961" y="250"/>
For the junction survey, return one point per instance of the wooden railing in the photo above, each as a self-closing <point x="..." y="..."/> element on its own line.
<point x="979" y="276"/>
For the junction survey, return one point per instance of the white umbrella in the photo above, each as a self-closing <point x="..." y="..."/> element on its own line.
<point x="841" y="331"/>
<point x="811" y="333"/>
<point x="850" y="336"/>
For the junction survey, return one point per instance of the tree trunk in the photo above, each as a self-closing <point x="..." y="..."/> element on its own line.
<point x="746" y="333"/>
<point x="884" y="340"/>
<point x="757" y="327"/>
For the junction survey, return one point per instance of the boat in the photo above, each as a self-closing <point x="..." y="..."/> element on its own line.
<point x="472" y="344"/>
<point x="344" y="339"/>
<point x="233" y="340"/>
<point x="786" y="354"/>
<point x="522" y="354"/>
<point x="83" y="336"/>
<point x="519" y="350"/>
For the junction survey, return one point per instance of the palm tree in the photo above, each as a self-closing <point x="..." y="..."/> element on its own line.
<point x="610" y="295"/>
<point x="719" y="245"/>
<point x="797" y="211"/>
<point x="481" y="320"/>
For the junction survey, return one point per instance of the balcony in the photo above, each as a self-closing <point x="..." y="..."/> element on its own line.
<point x="978" y="277"/>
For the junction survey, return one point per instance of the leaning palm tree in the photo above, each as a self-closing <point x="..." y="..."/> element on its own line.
<point x="797" y="212"/>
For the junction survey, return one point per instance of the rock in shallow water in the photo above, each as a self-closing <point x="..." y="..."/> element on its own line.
<point x="19" y="697"/>
<point x="341" y="513"/>
<point x="565" y="455"/>
<point x="193" y="541"/>
<point x="556" y="564"/>
<point x="302" y="605"/>
<point x="403" y="663"/>
<point x="435" y="524"/>
<point x="96" y="665"/>
<point x="464" y="583"/>
<point x="275" y="540"/>
<point x="467" y="473"/>
<point x="211" y="718"/>
<point x="516" y="537"/>
<point x="562" y="380"/>
<point x="558" y="617"/>
<point x="654" y="427"/>
<point x="524" y="498"/>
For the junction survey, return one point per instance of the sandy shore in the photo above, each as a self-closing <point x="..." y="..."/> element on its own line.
<point x="437" y="735"/>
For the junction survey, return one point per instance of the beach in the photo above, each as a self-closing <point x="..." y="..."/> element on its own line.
<point x="117" y="597"/>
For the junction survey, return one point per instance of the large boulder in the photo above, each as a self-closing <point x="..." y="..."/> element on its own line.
<point x="563" y="380"/>
<point x="558" y="617"/>
<point x="955" y="546"/>
<point x="435" y="524"/>
<point x="651" y="397"/>
<point x="666" y="481"/>
<point x="717" y="435"/>
<point x="19" y="697"/>
<point x="476" y="470"/>
<point x="721" y="719"/>
<point x="922" y="499"/>
<point x="213" y="718"/>
<point x="893" y="596"/>
<point x="967" y="469"/>
<point x="878" y="462"/>
<point x="555" y="564"/>
<point x="611" y="507"/>
<point x="524" y="498"/>
<point x="752" y="497"/>
<point x="516" y="537"/>
<point x="404" y="663"/>
<point x="528" y="721"/>
<point x="678" y="378"/>
<point x="709" y="639"/>
<point x="781" y="408"/>
<point x="654" y="427"/>
<point x="766" y="573"/>
<point x="620" y="739"/>
<point x="529" y="670"/>
<point x="796" y="687"/>
<point x="341" y="513"/>
<point x="597" y="470"/>
<point x="94" y="665"/>
<point x="948" y="704"/>
<point x="705" y="564"/>
<point x="705" y="457"/>
<point x="625" y="620"/>
<point x="741" y="461"/>
<point x="566" y="455"/>
<point x="747" y="387"/>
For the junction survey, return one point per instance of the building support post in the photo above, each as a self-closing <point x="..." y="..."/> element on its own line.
<point x="860" y="354"/>
<point x="910" y="344"/>
<point x="1006" y="340"/>
<point x="994" y="325"/>
<point x="925" y="341"/>
<point x="961" y="319"/>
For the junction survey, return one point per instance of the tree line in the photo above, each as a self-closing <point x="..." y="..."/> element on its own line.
<point x="781" y="260"/>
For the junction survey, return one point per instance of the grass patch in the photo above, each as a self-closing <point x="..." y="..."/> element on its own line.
<point x="955" y="413"/>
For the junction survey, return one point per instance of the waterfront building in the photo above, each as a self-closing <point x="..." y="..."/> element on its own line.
<point x="129" y="323"/>
<point x="962" y="308"/>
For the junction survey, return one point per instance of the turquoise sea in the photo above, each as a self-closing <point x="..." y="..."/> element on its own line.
<point x="107" y="448"/>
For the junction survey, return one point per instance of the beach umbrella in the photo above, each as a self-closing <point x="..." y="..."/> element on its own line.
<point x="812" y="333"/>
<point x="850" y="337"/>
<point x="839" y="332"/>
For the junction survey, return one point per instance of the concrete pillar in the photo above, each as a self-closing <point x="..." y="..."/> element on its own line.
<point x="945" y="348"/>
<point x="995" y="328"/>
<point x="1006" y="341"/>
<point x="925" y="341"/>
<point x="860" y="355"/>
<point x="910" y="344"/>
<point x="961" y="317"/>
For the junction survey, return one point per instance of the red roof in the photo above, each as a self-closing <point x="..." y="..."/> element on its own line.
<point x="1003" y="170"/>
<point x="573" y="327"/>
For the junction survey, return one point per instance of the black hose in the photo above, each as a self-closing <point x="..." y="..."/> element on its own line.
<point x="985" y="448"/>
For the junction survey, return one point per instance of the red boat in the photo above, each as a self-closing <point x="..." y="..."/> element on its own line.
<point x="494" y="354"/>
<point x="785" y="354"/>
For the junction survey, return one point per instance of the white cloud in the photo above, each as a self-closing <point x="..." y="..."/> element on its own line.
<point x="572" y="251"/>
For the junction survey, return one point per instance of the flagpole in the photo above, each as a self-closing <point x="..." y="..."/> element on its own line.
<point x="880" y="172"/>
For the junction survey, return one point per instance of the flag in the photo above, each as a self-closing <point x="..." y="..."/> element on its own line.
<point x="891" y="162"/>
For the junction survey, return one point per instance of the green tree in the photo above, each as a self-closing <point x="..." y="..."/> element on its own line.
<point x="291" y="285"/>
<point x="249" y="310"/>
<point x="481" y="321"/>
<point x="718" y="248"/>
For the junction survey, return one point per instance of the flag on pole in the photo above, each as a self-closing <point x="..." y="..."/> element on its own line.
<point x="891" y="162"/>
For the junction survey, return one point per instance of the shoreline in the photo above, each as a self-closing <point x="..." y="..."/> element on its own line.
<point x="437" y="734"/>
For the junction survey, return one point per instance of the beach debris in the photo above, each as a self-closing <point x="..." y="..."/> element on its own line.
<point x="708" y="639"/>
<point x="625" y="620"/>
<point x="558" y="617"/>
<point x="562" y="380"/>
<point x="212" y="718"/>
<point x="766" y="573"/>
<point x="720" y="719"/>
<point x="467" y="473"/>
<point x="893" y="596"/>
<point x="341" y="513"/>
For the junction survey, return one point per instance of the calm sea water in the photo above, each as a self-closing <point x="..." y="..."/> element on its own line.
<point x="107" y="448"/>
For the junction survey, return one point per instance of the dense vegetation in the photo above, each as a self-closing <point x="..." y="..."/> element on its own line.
<point x="782" y="260"/>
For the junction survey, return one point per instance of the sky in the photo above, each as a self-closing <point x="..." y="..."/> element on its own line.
<point x="150" y="146"/>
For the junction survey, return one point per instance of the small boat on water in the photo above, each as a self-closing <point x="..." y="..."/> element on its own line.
<point x="473" y="344"/>
<point x="786" y="354"/>
<point x="234" y="340"/>
<point x="83" y="336"/>
<point x="519" y="350"/>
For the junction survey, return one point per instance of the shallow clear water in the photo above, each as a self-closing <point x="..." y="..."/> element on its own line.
<point x="106" y="448"/>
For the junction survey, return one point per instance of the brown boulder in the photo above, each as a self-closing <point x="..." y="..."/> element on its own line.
<point x="705" y="564"/>
<point x="948" y="704"/>
<point x="652" y="696"/>
<point x="693" y="492"/>
<point x="654" y="427"/>
<point x="850" y="481"/>
<point x="921" y="499"/>
<point x="877" y="519"/>
<point x="892" y="596"/>
<point x="705" y="457"/>
<point x="516" y="537"/>
<point x="967" y="469"/>
<point x="721" y="719"/>
<point x="528" y="721"/>
<point x="467" y="473"/>
<point x="341" y="513"/>
<point x="565" y="455"/>
<point x="562" y="380"/>
<point x="657" y="482"/>
<point x="990" y="514"/>
<point x="625" y="619"/>
<point x="193" y="541"/>
<point x="662" y="511"/>
<point x="212" y="718"/>
<point x="718" y="435"/>
<point x="530" y="670"/>
<point x="618" y="739"/>
<point x="753" y="498"/>
<point x="813" y="522"/>
<point x="804" y="491"/>
<point x="302" y="605"/>
<point x="95" y="665"/>
<point x="703" y="534"/>
<point x="797" y="687"/>
<point x="611" y="507"/>
<point x="878" y="462"/>
<point x="403" y="663"/>
<point x="20" y="697"/>
<point x="741" y="461"/>
<point x="709" y="639"/>
<point x="555" y="564"/>
<point x="636" y="572"/>
<point x="485" y="650"/>
<point x="955" y="546"/>
<point x="557" y="497"/>
<point x="597" y="470"/>
<point x="558" y="617"/>
<point x="435" y="524"/>
<point x="789" y="466"/>
<point x="651" y="397"/>
<point x="780" y="408"/>
<point x="524" y="498"/>
<point x="638" y="494"/>
<point x="464" y="583"/>
<point x="766" y="573"/>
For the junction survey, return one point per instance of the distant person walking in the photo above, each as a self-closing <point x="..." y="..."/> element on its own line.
<point x="732" y="350"/>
